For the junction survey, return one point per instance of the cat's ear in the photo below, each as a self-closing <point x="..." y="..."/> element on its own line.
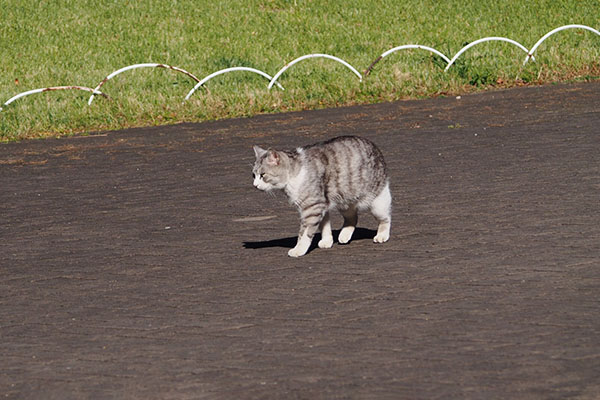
<point x="259" y="152"/>
<point x="272" y="157"/>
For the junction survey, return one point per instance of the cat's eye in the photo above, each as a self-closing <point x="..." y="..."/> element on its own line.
<point x="262" y="175"/>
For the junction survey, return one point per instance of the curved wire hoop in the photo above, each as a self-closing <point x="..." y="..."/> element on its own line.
<point x="53" y="88"/>
<point x="403" y="47"/>
<point x="552" y="32"/>
<point x="226" y="70"/>
<point x="134" y="66"/>
<point x="487" y="39"/>
<point x="288" y="65"/>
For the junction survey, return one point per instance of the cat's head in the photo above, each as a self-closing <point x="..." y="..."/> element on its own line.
<point x="270" y="169"/>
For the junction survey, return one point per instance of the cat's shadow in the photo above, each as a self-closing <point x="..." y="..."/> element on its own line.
<point x="290" y="242"/>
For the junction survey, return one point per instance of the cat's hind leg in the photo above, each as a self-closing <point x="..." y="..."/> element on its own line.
<point x="326" y="236"/>
<point x="381" y="208"/>
<point x="350" y="219"/>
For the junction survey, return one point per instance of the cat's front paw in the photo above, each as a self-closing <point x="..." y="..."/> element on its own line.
<point x="296" y="252"/>
<point x="326" y="243"/>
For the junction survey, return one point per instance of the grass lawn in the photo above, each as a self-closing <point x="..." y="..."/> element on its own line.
<point x="80" y="42"/>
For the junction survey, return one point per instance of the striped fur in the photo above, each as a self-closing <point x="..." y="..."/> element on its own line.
<point x="347" y="173"/>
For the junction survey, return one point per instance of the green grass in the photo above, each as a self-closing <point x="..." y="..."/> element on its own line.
<point x="79" y="42"/>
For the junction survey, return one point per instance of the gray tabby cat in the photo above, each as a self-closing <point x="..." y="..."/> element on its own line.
<point x="347" y="173"/>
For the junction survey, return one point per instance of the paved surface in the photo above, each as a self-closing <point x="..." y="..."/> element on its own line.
<point x="144" y="265"/>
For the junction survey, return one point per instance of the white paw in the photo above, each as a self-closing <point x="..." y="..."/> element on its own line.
<point x="326" y="243"/>
<point x="381" y="238"/>
<point x="345" y="235"/>
<point x="296" y="253"/>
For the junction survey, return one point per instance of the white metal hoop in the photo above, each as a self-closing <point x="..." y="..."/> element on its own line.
<point x="282" y="70"/>
<point x="223" y="71"/>
<point x="552" y="32"/>
<point x="415" y="46"/>
<point x="53" y="88"/>
<point x="487" y="39"/>
<point x="134" y="66"/>
<point x="406" y="46"/>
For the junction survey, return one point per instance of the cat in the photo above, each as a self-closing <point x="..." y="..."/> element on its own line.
<point x="347" y="173"/>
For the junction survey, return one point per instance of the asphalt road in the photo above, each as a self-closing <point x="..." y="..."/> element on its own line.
<point x="142" y="264"/>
